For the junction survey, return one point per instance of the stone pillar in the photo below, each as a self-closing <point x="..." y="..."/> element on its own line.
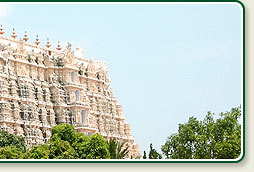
<point x="14" y="89"/>
<point x="3" y="88"/>
<point x="18" y="130"/>
<point x="39" y="94"/>
<point x="59" y="111"/>
<point x="47" y="95"/>
<point x="16" y="110"/>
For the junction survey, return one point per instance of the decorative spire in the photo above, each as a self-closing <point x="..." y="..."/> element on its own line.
<point x="13" y="34"/>
<point x="37" y="42"/>
<point x="48" y="43"/>
<point x="1" y="30"/>
<point x="25" y="36"/>
<point x="58" y="46"/>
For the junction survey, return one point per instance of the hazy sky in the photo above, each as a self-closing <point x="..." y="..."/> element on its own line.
<point x="167" y="62"/>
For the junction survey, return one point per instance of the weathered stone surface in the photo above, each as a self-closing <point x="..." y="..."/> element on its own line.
<point x="42" y="87"/>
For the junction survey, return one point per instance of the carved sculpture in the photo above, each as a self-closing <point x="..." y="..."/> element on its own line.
<point x="37" y="92"/>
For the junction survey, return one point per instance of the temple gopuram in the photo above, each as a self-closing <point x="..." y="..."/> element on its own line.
<point x="41" y="87"/>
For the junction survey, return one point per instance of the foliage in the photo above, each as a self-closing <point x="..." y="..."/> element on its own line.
<point x="207" y="139"/>
<point x="80" y="71"/>
<point x="37" y="152"/>
<point x="65" y="132"/>
<point x="79" y="143"/>
<point x="144" y="156"/>
<point x="117" y="149"/>
<point x="153" y="154"/>
<point x="65" y="143"/>
<point x="95" y="148"/>
<point x="7" y="139"/>
<point x="61" y="149"/>
<point x="56" y="148"/>
<point x="59" y="61"/>
<point x="10" y="152"/>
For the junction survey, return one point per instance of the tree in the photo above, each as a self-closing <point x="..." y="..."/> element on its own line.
<point x="7" y="139"/>
<point x="153" y="154"/>
<point x="61" y="149"/>
<point x="144" y="156"/>
<point x="95" y="148"/>
<point x="11" y="146"/>
<point x="207" y="139"/>
<point x="10" y="152"/>
<point x="117" y="149"/>
<point x="56" y="148"/>
<point x="66" y="143"/>
<point x="65" y="132"/>
<point x="78" y="145"/>
<point x="227" y="135"/>
<point x="37" y="152"/>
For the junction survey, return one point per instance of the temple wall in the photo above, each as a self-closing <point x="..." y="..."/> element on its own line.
<point x="41" y="87"/>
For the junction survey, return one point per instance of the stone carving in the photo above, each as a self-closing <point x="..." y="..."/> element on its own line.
<point x="38" y="91"/>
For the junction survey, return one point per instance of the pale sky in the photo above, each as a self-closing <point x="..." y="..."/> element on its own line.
<point x="167" y="62"/>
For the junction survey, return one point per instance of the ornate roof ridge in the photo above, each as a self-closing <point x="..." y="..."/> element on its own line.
<point x="24" y="41"/>
<point x="33" y="45"/>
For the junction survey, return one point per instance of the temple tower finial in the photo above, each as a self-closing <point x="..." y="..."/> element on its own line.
<point x="14" y="35"/>
<point x="37" y="42"/>
<point x="1" y="30"/>
<point x="58" y="46"/>
<point x="48" y="45"/>
<point x="25" y="37"/>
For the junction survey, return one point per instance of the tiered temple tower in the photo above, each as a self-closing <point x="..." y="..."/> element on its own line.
<point x="41" y="87"/>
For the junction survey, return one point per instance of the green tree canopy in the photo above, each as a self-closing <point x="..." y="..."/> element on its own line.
<point x="65" y="132"/>
<point x="37" y="152"/>
<point x="207" y="139"/>
<point x="10" y="152"/>
<point x="80" y="141"/>
<point x="144" y="156"/>
<point x="7" y="139"/>
<point x="56" y="148"/>
<point x="117" y="150"/>
<point x="65" y="143"/>
<point x="95" y="148"/>
<point x="153" y="154"/>
<point x="61" y="149"/>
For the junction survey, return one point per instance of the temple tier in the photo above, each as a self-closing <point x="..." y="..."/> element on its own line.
<point x="41" y="87"/>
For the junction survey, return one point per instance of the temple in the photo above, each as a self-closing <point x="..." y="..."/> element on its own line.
<point x="41" y="87"/>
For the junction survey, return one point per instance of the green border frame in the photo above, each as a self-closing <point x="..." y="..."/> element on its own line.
<point x="145" y="161"/>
